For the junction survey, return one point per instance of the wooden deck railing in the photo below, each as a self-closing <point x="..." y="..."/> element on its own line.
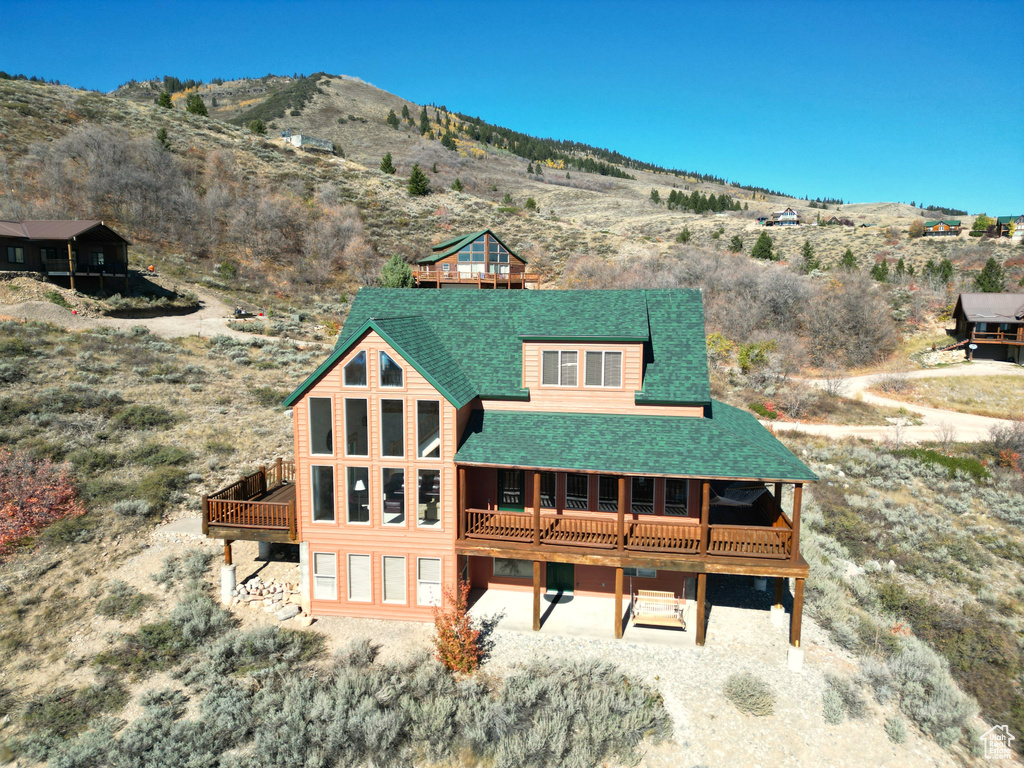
<point x="998" y="336"/>
<point x="434" y="275"/>
<point x="749" y="541"/>
<point x="84" y="267"/>
<point x="238" y="506"/>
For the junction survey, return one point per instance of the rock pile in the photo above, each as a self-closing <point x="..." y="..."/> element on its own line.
<point x="279" y="598"/>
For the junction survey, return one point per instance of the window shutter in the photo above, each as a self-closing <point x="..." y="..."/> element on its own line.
<point x="568" y="373"/>
<point x="549" y="375"/>
<point x="394" y="579"/>
<point x="593" y="369"/>
<point x="325" y="572"/>
<point x="359" y="578"/>
<point x="613" y="369"/>
<point x="428" y="588"/>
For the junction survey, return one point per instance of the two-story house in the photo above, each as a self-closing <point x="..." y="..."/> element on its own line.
<point x="521" y="440"/>
<point x="942" y="228"/>
<point x="474" y="260"/>
<point x="785" y="217"/>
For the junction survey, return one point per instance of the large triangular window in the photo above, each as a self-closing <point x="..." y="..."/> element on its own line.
<point x="355" y="371"/>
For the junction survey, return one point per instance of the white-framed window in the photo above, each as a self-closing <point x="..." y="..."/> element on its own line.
<point x="360" y="582"/>
<point x="513" y="569"/>
<point x="323" y="494"/>
<point x="428" y="581"/>
<point x="428" y="429"/>
<point x="394" y="579"/>
<point x="428" y="498"/>
<point x="393" y="495"/>
<point x="640" y="573"/>
<point x="321" y="426"/>
<point x="357" y="431"/>
<point x="391" y="374"/>
<point x="325" y="576"/>
<point x="355" y="371"/>
<point x="602" y="369"/>
<point x="559" y="368"/>
<point x="392" y="428"/>
<point x="446" y="267"/>
<point x="358" y="489"/>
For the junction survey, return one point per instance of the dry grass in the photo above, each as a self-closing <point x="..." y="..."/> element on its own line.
<point x="1001" y="397"/>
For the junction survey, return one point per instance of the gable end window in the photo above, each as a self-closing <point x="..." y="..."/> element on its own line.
<point x="559" y="368"/>
<point x="355" y="371"/>
<point x="390" y="371"/>
<point x="603" y="369"/>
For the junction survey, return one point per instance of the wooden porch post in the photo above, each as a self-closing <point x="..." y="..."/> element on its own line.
<point x="206" y="515"/>
<point x="621" y="535"/>
<point x="798" y="491"/>
<point x="263" y="478"/>
<point x="536" y="595"/>
<point x="462" y="502"/>
<point x="798" y="610"/>
<point x="778" y="495"/>
<point x="618" y="603"/>
<point x="778" y="592"/>
<point x="536" y="509"/>
<point x="227" y="551"/>
<point x="71" y="268"/>
<point x="705" y="510"/>
<point x="702" y="585"/>
<point x="293" y="532"/>
<point x="280" y="470"/>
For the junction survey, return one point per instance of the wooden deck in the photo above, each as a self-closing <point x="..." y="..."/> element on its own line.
<point x="998" y="337"/>
<point x="258" y="507"/>
<point x="438" y="278"/>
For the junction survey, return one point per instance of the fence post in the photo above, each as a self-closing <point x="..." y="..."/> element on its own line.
<point x="263" y="479"/>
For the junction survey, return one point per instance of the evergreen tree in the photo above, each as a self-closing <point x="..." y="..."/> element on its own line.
<point x="392" y="119"/>
<point x="991" y="279"/>
<point x="746" y="206"/>
<point x="539" y="169"/>
<point x="531" y="204"/>
<point x="164" y="100"/>
<point x="194" y="104"/>
<point x="880" y="271"/>
<point x="257" y="126"/>
<point x="419" y="185"/>
<point x="424" y="122"/>
<point x="161" y="137"/>
<point x="529" y="169"/>
<point x="507" y="200"/>
<point x="655" y="197"/>
<point x="810" y="262"/>
<point x="945" y="270"/>
<point x="457" y="185"/>
<point x="386" y="165"/>
<point x="763" y="248"/>
<point x="849" y="261"/>
<point x="736" y="244"/>
<point x="448" y="141"/>
<point x="684" y="236"/>
<point x="405" y="113"/>
<point x="901" y="269"/>
<point x="396" y="274"/>
<point x="434" y="168"/>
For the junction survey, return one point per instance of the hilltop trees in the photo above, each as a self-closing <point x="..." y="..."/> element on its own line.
<point x="991" y="279"/>
<point x="386" y="166"/>
<point x="164" y="100"/>
<point x="419" y="185"/>
<point x="424" y="122"/>
<point x="448" y="141"/>
<point x="763" y="248"/>
<point x="194" y="104"/>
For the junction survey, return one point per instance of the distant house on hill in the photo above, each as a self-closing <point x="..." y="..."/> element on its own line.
<point x="786" y="217"/>
<point x="63" y="249"/>
<point x="474" y="260"/>
<point x="993" y="320"/>
<point x="1003" y="224"/>
<point x="834" y="220"/>
<point x="303" y="141"/>
<point x="942" y="228"/>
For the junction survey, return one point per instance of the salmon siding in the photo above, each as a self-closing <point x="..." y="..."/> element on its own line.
<point x="561" y="440"/>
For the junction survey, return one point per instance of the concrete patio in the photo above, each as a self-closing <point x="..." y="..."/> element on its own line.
<point x="569" y="615"/>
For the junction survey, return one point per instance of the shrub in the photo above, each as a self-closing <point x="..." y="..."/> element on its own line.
<point x="190" y="566"/>
<point x="33" y="494"/>
<point x="66" y="711"/>
<point x="156" y="455"/>
<point x="133" y="508"/>
<point x="455" y="640"/>
<point x="750" y="694"/>
<point x="123" y="601"/>
<point x="850" y="698"/>
<point x="255" y="653"/>
<point x="268" y="397"/>
<point x="896" y="729"/>
<point x="954" y="464"/>
<point x="57" y="299"/>
<point x="139" y="416"/>
<point x="832" y="707"/>
<point x="159" y="486"/>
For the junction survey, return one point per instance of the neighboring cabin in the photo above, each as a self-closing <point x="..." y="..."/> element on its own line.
<point x="786" y="217"/>
<point x="993" y="320"/>
<point x="559" y="442"/>
<point x="943" y="228"/>
<point x="63" y="249"/>
<point x="1004" y="223"/>
<point x="474" y="260"/>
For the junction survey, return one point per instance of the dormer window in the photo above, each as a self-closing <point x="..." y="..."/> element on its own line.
<point x="355" y="371"/>
<point x="390" y="371"/>
<point x="559" y="368"/>
<point x="603" y="369"/>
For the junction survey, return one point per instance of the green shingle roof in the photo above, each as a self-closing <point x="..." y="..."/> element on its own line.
<point x="726" y="443"/>
<point x="456" y="244"/>
<point x="950" y="222"/>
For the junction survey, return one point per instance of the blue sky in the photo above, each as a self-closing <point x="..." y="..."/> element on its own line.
<point x="867" y="101"/>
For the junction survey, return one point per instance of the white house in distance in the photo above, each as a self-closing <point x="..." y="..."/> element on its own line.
<point x="785" y="217"/>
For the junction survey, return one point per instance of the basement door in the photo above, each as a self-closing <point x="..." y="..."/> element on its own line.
<point x="561" y="577"/>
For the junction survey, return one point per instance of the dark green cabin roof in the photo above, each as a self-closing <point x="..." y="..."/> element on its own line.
<point x="726" y="443"/>
<point x="950" y="222"/>
<point x="456" y="244"/>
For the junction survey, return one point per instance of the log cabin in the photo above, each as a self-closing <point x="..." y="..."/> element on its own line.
<point x="942" y="228"/>
<point x="993" y="323"/>
<point x="474" y="260"/>
<point x="71" y="249"/>
<point x="527" y="441"/>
